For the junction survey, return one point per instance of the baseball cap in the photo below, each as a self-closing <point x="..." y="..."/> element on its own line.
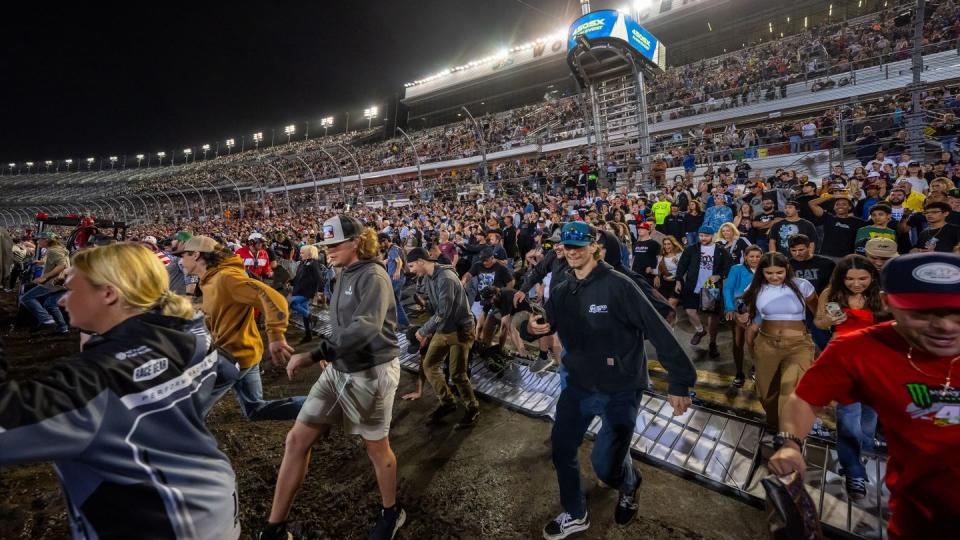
<point x="873" y="174"/>
<point x="577" y="234"/>
<point x="706" y="229"/>
<point x="203" y="244"/>
<point x="255" y="237"/>
<point x="419" y="254"/>
<point x="881" y="247"/>
<point x="47" y="235"/>
<point x="340" y="229"/>
<point x="183" y="236"/>
<point x="923" y="281"/>
<point x="150" y="240"/>
<point x="955" y="193"/>
<point x="913" y="164"/>
<point x="645" y="225"/>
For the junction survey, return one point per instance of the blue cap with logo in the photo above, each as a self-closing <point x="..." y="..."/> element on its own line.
<point x="706" y="229"/>
<point x="577" y="234"/>
<point x="923" y="281"/>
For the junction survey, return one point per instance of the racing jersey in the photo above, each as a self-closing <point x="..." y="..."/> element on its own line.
<point x="257" y="264"/>
<point x="123" y="424"/>
<point x="920" y="418"/>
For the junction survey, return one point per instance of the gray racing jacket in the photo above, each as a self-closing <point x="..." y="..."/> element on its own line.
<point x="123" y="424"/>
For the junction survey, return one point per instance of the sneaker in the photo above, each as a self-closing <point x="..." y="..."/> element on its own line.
<point x="739" y="380"/>
<point x="695" y="340"/>
<point x="469" y="419"/>
<point x="564" y="525"/>
<point x="856" y="488"/>
<point x="714" y="351"/>
<point x="275" y="531"/>
<point x="627" y="505"/>
<point x="441" y="411"/>
<point x="307" y="338"/>
<point x="387" y="526"/>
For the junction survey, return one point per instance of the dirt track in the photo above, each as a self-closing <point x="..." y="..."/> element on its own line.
<point x="495" y="481"/>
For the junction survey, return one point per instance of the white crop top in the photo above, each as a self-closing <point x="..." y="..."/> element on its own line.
<point x="780" y="303"/>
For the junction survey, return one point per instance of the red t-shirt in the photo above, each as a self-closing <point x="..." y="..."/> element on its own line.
<point x="921" y="422"/>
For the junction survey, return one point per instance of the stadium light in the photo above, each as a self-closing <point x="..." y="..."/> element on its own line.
<point x="326" y="123"/>
<point x="161" y="155"/>
<point x="90" y="161"/>
<point x="230" y="144"/>
<point x="113" y="161"/>
<point x="29" y="164"/>
<point x="205" y="148"/>
<point x="48" y="163"/>
<point x="290" y="130"/>
<point x="257" y="137"/>
<point x="370" y="114"/>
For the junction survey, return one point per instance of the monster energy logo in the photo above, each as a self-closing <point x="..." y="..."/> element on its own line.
<point x="920" y="395"/>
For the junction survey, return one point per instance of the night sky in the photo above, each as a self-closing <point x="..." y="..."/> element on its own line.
<point x="90" y="80"/>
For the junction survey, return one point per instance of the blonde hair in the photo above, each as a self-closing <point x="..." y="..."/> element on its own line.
<point x="309" y="252"/>
<point x="736" y="232"/>
<point x="369" y="246"/>
<point x="136" y="273"/>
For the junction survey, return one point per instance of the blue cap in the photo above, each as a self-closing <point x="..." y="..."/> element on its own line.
<point x="923" y="281"/>
<point x="706" y="229"/>
<point x="577" y="233"/>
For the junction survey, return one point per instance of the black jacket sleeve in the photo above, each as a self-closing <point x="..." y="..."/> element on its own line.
<point x="538" y="272"/>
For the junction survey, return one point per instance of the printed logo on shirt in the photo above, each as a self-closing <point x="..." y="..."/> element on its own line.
<point x="132" y="353"/>
<point x="938" y="405"/>
<point x="349" y="291"/>
<point x="150" y="370"/>
<point x="597" y="308"/>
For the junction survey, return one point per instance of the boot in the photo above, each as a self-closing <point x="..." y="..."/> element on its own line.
<point x="307" y="330"/>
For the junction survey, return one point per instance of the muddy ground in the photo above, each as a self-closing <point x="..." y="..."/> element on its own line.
<point x="494" y="481"/>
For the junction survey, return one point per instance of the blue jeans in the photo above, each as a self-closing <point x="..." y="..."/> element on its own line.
<point x="300" y="305"/>
<point x="249" y="389"/>
<point x="693" y="238"/>
<point x="611" y="459"/>
<point x="794" y="144"/>
<point x="402" y="319"/>
<point x="947" y="144"/>
<point x="856" y="427"/>
<point x="41" y="302"/>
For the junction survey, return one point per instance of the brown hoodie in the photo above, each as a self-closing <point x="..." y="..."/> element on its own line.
<point x="229" y="299"/>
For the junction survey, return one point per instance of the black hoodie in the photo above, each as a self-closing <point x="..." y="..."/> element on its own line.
<point x="602" y="321"/>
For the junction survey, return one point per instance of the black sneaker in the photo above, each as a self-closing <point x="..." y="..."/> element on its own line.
<point x="388" y="525"/>
<point x="627" y="505"/>
<point x="564" y="525"/>
<point x="695" y="340"/>
<point x="739" y="380"/>
<point x="856" y="488"/>
<point x="275" y="531"/>
<point x="714" y="351"/>
<point x="441" y="411"/>
<point x="469" y="418"/>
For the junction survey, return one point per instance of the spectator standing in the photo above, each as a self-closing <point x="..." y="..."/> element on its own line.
<point x="306" y="285"/>
<point x="791" y="225"/>
<point x="42" y="300"/>
<point x="645" y="252"/>
<point x="840" y="229"/>
<point x="393" y="256"/>
<point x="738" y="279"/>
<point x="702" y="265"/>
<point x="852" y="302"/>
<point x="939" y="235"/>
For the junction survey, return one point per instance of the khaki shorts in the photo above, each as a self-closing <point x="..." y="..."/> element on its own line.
<point x="361" y="401"/>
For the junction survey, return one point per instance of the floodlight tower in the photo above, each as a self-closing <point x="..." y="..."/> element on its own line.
<point x="610" y="54"/>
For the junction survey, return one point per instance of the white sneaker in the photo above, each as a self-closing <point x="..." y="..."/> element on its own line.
<point x="564" y="525"/>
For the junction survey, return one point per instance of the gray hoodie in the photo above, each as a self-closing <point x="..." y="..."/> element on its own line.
<point x="449" y="300"/>
<point x="363" y="316"/>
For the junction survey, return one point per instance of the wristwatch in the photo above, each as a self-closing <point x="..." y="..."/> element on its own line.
<point x="780" y="438"/>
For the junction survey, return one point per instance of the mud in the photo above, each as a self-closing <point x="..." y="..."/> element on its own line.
<point x="494" y="481"/>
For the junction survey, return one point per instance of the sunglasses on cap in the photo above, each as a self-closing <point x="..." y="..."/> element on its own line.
<point x="576" y="236"/>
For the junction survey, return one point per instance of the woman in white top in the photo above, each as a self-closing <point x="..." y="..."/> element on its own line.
<point x="665" y="273"/>
<point x="778" y="338"/>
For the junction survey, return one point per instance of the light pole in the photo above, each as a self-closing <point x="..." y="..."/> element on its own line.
<point x="205" y="148"/>
<point x="289" y="130"/>
<point x="140" y="159"/>
<point x="257" y="137"/>
<point x="161" y="155"/>
<point x="230" y="144"/>
<point x="326" y="123"/>
<point x="113" y="161"/>
<point x="29" y="165"/>
<point x="11" y="165"/>
<point x="48" y="163"/>
<point x="370" y="114"/>
<point x="68" y="162"/>
<point x="186" y="155"/>
<point x="89" y="163"/>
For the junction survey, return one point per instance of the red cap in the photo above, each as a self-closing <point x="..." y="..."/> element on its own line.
<point x="646" y="225"/>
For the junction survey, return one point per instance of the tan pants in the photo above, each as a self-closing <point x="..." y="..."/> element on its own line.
<point x="457" y="344"/>
<point x="780" y="361"/>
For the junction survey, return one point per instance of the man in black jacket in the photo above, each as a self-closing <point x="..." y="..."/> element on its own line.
<point x="702" y="265"/>
<point x="602" y="319"/>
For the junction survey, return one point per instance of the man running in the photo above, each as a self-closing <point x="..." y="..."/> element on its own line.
<point x="906" y="370"/>
<point x="602" y="318"/>
<point x="359" y="380"/>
